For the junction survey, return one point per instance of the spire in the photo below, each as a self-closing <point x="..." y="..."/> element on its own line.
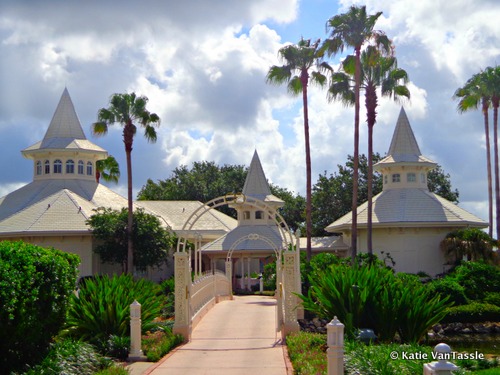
<point x="404" y="146"/>
<point x="256" y="183"/>
<point x="65" y="122"/>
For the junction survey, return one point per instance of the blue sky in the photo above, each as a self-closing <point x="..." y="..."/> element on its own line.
<point x="203" y="67"/>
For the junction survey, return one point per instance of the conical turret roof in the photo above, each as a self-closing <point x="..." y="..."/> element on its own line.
<point x="256" y="184"/>
<point x="64" y="131"/>
<point x="404" y="147"/>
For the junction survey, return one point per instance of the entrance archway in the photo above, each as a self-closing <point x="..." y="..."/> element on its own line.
<point x="289" y="274"/>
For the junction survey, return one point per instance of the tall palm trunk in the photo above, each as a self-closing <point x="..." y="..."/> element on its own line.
<point x="495" y="102"/>
<point x="371" y="115"/>
<point x="304" y="77"/>
<point x="355" y="172"/>
<point x="485" y="106"/>
<point x="128" y="133"/>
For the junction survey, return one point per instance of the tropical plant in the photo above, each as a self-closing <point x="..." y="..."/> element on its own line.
<point x="298" y="60"/>
<point x="353" y="29"/>
<point x="371" y="296"/>
<point x="101" y="308"/>
<point x="152" y="242"/>
<point x="477" y="278"/>
<point x="472" y="243"/>
<point x="108" y="169"/>
<point x="35" y="286"/>
<point x="470" y="96"/>
<point x="127" y="110"/>
<point x="377" y="70"/>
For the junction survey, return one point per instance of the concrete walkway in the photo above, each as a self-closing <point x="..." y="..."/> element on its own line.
<point x="235" y="337"/>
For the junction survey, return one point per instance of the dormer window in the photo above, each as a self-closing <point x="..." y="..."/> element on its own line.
<point x="70" y="167"/>
<point x="89" y="168"/>
<point x="396" y="177"/>
<point x="57" y="166"/>
<point x="411" y="177"/>
<point x="47" y="167"/>
<point x="246" y="215"/>
<point x="80" y="167"/>
<point x="259" y="215"/>
<point x="38" y="168"/>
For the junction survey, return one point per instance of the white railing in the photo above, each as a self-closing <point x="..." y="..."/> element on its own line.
<point x="206" y="291"/>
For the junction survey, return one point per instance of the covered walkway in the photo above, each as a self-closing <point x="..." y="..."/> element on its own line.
<point x="235" y="337"/>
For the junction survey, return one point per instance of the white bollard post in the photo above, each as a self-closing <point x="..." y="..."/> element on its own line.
<point x="335" y="351"/>
<point x="135" y="353"/>
<point x="442" y="366"/>
<point x="261" y="284"/>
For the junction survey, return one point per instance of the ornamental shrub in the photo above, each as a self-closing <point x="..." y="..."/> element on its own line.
<point x="451" y="288"/>
<point x="477" y="278"/>
<point x="474" y="312"/>
<point x="35" y="285"/>
<point x="102" y="308"/>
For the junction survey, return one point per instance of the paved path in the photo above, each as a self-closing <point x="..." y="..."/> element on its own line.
<point x="235" y="337"/>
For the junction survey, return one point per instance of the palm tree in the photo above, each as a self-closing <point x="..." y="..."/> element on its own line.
<point x="377" y="71"/>
<point x="470" y="96"/>
<point x="492" y="82"/>
<point x="354" y="29"/>
<point x="108" y="169"/>
<point x="298" y="60"/>
<point x="472" y="243"/>
<point x="127" y="110"/>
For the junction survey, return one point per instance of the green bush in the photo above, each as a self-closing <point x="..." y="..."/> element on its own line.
<point x="159" y="343"/>
<point x="102" y="307"/>
<point x="451" y="288"/>
<point x="35" y="284"/>
<point x="474" y="312"/>
<point x="70" y="357"/>
<point x="371" y="296"/>
<point x="493" y="298"/>
<point x="269" y="276"/>
<point x="477" y="278"/>
<point x="168" y="287"/>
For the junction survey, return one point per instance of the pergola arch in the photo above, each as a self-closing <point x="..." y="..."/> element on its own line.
<point x="286" y="233"/>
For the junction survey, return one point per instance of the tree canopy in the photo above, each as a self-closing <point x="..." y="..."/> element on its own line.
<point x="331" y="194"/>
<point x="151" y="241"/>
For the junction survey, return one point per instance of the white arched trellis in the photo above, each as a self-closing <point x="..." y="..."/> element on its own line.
<point x="288" y="274"/>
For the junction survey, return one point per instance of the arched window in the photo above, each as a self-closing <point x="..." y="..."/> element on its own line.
<point x="57" y="166"/>
<point x="80" y="166"/>
<point x="70" y="166"/>
<point x="89" y="168"/>
<point x="411" y="177"/>
<point x="246" y="215"/>
<point x="259" y="214"/>
<point x="47" y="167"/>
<point x="396" y="177"/>
<point x="38" y="168"/>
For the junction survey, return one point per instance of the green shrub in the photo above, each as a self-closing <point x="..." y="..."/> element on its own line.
<point x="371" y="296"/>
<point x="35" y="284"/>
<point x="474" y="312"/>
<point x="307" y="353"/>
<point x="451" y="288"/>
<point x="269" y="276"/>
<point x="70" y="357"/>
<point x="157" y="344"/>
<point x="493" y="298"/>
<point x="168" y="287"/>
<point x="102" y="307"/>
<point x="477" y="278"/>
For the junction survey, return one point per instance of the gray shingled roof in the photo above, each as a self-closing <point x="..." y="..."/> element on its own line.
<point x="64" y="131"/>
<point x="256" y="184"/>
<point x="410" y="207"/>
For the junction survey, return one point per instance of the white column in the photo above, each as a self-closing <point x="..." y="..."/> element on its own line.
<point x="335" y="351"/>
<point x="248" y="274"/>
<point x="135" y="332"/>
<point x="290" y="299"/>
<point x="182" y="324"/>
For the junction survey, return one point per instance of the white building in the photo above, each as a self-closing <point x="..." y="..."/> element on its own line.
<point x="53" y="208"/>
<point x="409" y="221"/>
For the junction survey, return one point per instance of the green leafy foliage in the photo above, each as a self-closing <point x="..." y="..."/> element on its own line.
<point x="371" y="296"/>
<point x="35" y="285"/>
<point x="472" y="243"/>
<point x="474" y="312"/>
<point x="168" y="287"/>
<point x="492" y="298"/>
<point x="451" y="288"/>
<point x="477" y="278"/>
<point x="152" y="243"/>
<point x="269" y="276"/>
<point x="70" y="356"/>
<point x="102" y="307"/>
<point x="155" y="345"/>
